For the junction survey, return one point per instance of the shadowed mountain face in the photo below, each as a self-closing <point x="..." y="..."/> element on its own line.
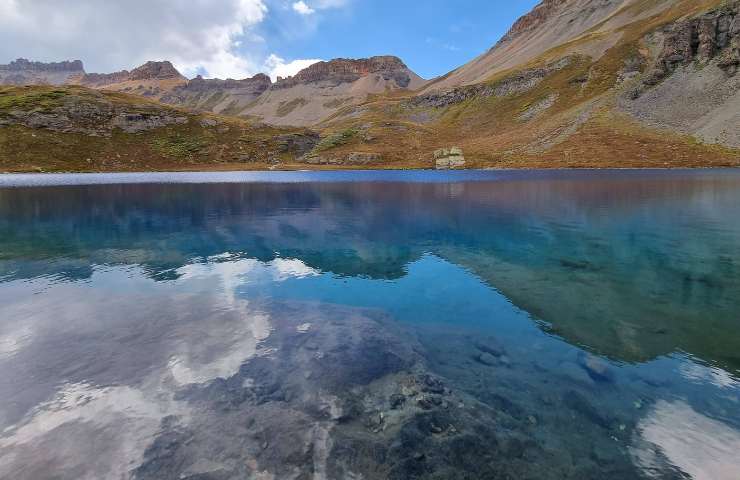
<point x="625" y="266"/>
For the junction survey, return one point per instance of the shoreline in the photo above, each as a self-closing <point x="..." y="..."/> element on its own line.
<point x="16" y="179"/>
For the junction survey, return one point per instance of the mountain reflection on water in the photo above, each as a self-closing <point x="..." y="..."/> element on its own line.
<point x="559" y="325"/>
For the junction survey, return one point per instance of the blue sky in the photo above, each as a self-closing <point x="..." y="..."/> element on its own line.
<point x="432" y="37"/>
<point x="239" y="38"/>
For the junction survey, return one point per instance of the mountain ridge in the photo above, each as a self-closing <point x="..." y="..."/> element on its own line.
<point x="310" y="96"/>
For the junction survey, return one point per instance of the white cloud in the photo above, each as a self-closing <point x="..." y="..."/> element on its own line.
<point x="215" y="38"/>
<point x="278" y="67"/>
<point x="197" y="35"/>
<point x="303" y="9"/>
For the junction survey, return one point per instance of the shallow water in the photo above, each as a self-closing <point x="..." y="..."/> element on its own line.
<point x="370" y="325"/>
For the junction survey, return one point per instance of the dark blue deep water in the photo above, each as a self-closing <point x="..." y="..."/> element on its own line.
<point x="376" y="325"/>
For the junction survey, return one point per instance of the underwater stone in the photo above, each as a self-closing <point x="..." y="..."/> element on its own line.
<point x="490" y="346"/>
<point x="486" y="359"/>
<point x="598" y="369"/>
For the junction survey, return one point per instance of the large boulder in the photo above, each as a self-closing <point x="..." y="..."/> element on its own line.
<point x="447" y="159"/>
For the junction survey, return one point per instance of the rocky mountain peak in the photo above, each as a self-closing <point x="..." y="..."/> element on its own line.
<point x="345" y="70"/>
<point x="155" y="71"/>
<point x="531" y="21"/>
<point x="345" y="66"/>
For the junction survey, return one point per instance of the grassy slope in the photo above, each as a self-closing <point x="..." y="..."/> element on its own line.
<point x="189" y="146"/>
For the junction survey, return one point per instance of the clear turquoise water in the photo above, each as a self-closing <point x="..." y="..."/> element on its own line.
<point x="371" y="325"/>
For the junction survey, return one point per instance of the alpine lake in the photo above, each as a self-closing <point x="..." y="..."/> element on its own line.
<point x="370" y="325"/>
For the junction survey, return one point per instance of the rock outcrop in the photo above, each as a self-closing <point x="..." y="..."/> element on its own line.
<point x="715" y="34"/>
<point x="299" y="144"/>
<point x="693" y="85"/>
<point x="25" y="72"/>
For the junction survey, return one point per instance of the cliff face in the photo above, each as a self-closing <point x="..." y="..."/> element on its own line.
<point x="25" y="72"/>
<point x="713" y="35"/>
<point x="692" y="84"/>
<point x="23" y="64"/>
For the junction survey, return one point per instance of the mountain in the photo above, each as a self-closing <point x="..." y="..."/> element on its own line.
<point x="574" y="83"/>
<point x="25" y="72"/>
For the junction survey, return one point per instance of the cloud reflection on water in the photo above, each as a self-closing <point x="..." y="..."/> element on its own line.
<point x="699" y="446"/>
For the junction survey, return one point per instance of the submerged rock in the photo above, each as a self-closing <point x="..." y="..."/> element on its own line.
<point x="486" y="359"/>
<point x="491" y="346"/>
<point x="598" y="369"/>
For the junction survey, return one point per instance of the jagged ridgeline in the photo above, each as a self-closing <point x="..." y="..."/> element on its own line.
<point x="25" y="72"/>
<point x="574" y="83"/>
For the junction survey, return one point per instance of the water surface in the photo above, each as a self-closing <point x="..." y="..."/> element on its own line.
<point x="370" y="325"/>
